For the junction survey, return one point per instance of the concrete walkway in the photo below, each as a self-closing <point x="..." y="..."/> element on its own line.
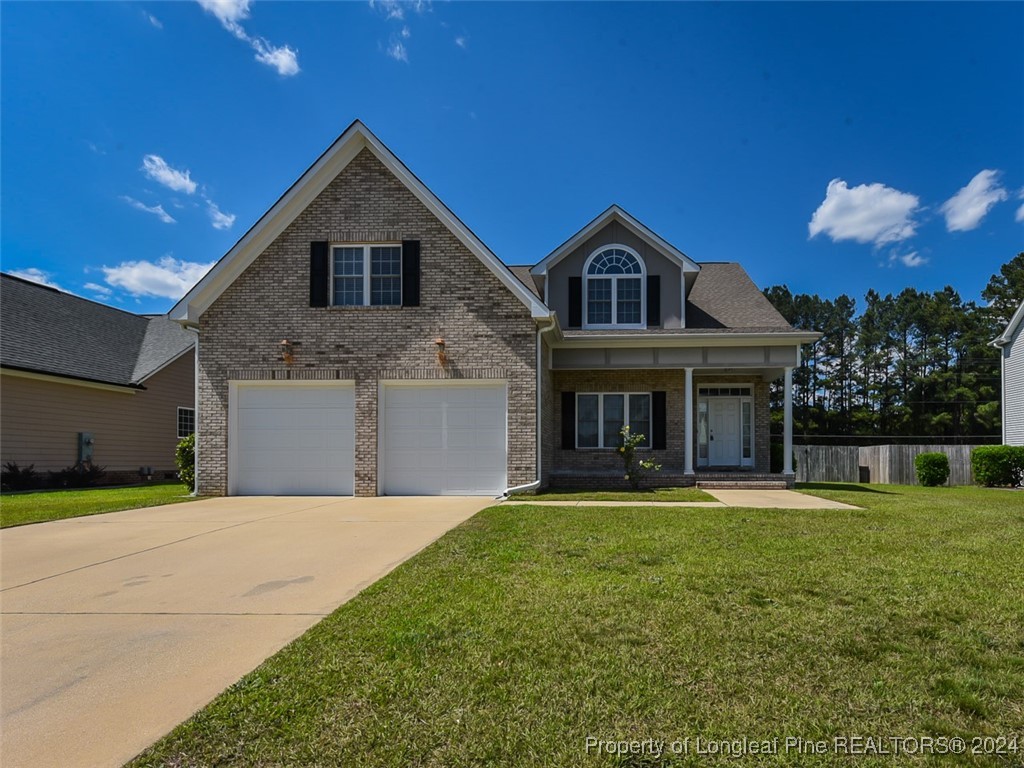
<point x="117" y="627"/>
<point x="725" y="498"/>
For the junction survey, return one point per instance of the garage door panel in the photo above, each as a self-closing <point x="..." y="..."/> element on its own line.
<point x="294" y="440"/>
<point x="444" y="439"/>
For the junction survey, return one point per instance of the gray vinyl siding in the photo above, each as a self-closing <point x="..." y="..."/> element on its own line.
<point x="655" y="261"/>
<point x="41" y="420"/>
<point x="1013" y="389"/>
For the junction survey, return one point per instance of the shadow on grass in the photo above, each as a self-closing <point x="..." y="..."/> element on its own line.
<point x="851" y="487"/>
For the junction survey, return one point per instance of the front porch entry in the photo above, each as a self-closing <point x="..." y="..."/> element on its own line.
<point x="725" y="429"/>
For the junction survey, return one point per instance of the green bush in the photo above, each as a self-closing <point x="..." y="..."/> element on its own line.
<point x="84" y="474"/>
<point x="185" y="458"/>
<point x="998" y="465"/>
<point x="932" y="468"/>
<point x="775" y="457"/>
<point x="636" y="468"/>
<point x="15" y="478"/>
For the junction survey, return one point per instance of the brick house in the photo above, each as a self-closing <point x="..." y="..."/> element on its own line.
<point x="360" y="338"/>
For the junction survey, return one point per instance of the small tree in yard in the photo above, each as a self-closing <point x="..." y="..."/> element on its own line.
<point x="185" y="458"/>
<point x="636" y="468"/>
<point x="932" y="468"/>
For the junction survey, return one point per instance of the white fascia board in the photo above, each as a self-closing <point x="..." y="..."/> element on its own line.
<point x="701" y="340"/>
<point x="1011" y="327"/>
<point x="613" y="213"/>
<point x="303" y="192"/>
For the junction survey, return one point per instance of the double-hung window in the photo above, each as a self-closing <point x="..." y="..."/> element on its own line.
<point x="614" y="293"/>
<point x="366" y="275"/>
<point x="186" y="422"/>
<point x="601" y="417"/>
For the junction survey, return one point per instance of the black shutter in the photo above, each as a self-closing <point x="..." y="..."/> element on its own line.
<point x="658" y="421"/>
<point x="575" y="302"/>
<point x="319" y="275"/>
<point x="410" y="273"/>
<point x="653" y="300"/>
<point x="569" y="420"/>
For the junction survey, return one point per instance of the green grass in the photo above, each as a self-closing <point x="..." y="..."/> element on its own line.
<point x="647" y="494"/>
<point x="527" y="629"/>
<point x="41" y="506"/>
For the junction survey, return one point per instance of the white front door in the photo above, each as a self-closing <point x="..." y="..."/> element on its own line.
<point x="724" y="437"/>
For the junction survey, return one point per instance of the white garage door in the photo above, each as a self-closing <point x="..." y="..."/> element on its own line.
<point x="444" y="439"/>
<point x="293" y="439"/>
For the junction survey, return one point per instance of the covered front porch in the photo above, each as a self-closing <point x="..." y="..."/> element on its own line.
<point x="706" y="424"/>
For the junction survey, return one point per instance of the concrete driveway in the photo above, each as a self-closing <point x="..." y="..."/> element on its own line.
<point x="117" y="627"/>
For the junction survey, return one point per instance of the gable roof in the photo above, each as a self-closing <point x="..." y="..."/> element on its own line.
<point x="724" y="298"/>
<point x="1011" y="328"/>
<point x="48" y="331"/>
<point x="333" y="161"/>
<point x="615" y="213"/>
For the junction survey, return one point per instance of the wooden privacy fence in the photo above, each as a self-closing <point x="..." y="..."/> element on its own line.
<point x="888" y="464"/>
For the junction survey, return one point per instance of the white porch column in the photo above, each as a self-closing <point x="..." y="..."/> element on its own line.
<point x="688" y="423"/>
<point x="787" y="422"/>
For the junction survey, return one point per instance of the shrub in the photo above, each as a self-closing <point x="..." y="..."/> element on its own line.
<point x="776" y="453"/>
<point x="185" y="458"/>
<point x="998" y="465"/>
<point x="636" y="470"/>
<point x="84" y="474"/>
<point x="15" y="478"/>
<point x="932" y="468"/>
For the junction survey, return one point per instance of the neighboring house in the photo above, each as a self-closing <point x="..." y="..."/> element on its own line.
<point x="1011" y="347"/>
<point x="84" y="381"/>
<point x="361" y="339"/>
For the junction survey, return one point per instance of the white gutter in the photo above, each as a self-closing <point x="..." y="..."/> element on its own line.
<point x="540" y="373"/>
<point x="195" y="396"/>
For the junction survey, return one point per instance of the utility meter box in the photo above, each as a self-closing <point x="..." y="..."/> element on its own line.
<point x="85" y="443"/>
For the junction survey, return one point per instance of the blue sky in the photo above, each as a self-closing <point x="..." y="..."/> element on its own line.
<point x="833" y="147"/>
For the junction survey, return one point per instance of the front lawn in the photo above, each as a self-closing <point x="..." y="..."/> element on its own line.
<point x="529" y="629"/>
<point x="41" y="506"/>
<point x="646" y="494"/>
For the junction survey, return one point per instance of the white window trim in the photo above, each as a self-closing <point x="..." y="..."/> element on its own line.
<point x="615" y="292"/>
<point x="600" y="419"/>
<point x="177" y="424"/>
<point x="744" y="463"/>
<point x="366" y="272"/>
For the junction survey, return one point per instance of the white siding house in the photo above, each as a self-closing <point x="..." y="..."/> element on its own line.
<point x="1011" y="344"/>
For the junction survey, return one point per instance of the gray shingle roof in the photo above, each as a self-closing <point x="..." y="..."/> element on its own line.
<point x="724" y="298"/>
<point x="523" y="275"/>
<point x="48" y="331"/>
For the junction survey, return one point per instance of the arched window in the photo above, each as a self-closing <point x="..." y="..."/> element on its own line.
<point x="614" y="288"/>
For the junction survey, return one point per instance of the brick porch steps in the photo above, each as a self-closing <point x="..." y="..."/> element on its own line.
<point x="603" y="479"/>
<point x="741" y="484"/>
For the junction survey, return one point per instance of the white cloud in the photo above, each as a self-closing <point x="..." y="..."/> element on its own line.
<point x="406" y="34"/>
<point x="1019" y="215"/>
<point x="158" y="170"/>
<point x="461" y="41"/>
<point x="966" y="209"/>
<point x="911" y="259"/>
<point x="396" y="50"/>
<point x="392" y="9"/>
<point x="153" y="20"/>
<point x="168" y="278"/>
<point x="219" y="219"/>
<point x="868" y="213"/>
<point x="94" y="149"/>
<point x="35" y="275"/>
<point x="156" y="210"/>
<point x="100" y="290"/>
<point x="230" y="13"/>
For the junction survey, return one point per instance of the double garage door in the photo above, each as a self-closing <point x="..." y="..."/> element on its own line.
<point x="298" y="438"/>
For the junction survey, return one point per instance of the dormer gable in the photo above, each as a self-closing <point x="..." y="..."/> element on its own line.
<point x="616" y="273"/>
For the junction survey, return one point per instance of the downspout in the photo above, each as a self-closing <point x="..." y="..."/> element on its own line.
<point x="540" y="374"/>
<point x="195" y="398"/>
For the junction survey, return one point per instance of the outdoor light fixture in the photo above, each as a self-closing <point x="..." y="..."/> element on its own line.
<point x="286" y="352"/>
<point x="442" y="356"/>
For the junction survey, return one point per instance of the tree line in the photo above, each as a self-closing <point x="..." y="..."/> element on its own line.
<point x="915" y="366"/>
